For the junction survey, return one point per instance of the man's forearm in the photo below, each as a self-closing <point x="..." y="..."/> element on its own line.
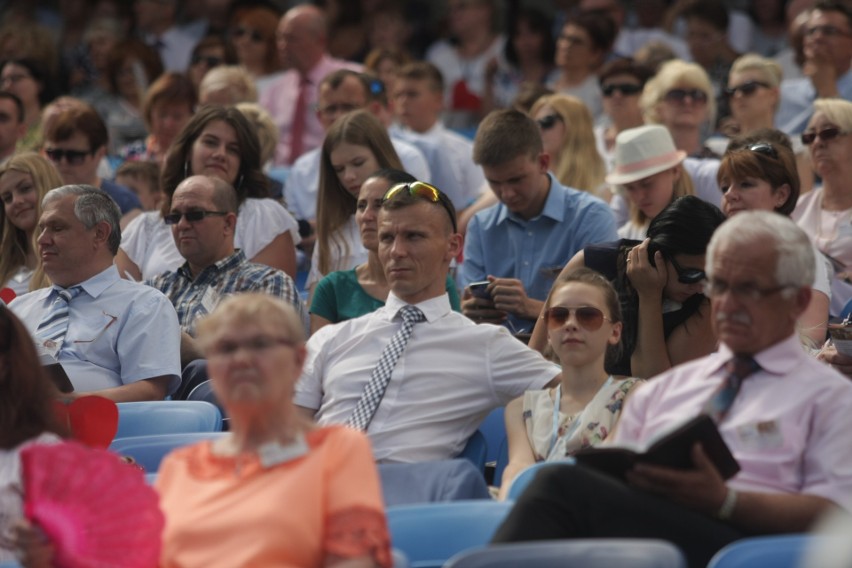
<point x="778" y="512"/>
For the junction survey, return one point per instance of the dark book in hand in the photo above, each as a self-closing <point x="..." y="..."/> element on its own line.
<point x="673" y="450"/>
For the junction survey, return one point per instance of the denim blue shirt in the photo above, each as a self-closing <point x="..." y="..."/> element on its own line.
<point x="500" y="243"/>
<point x="797" y="102"/>
<point x="119" y="332"/>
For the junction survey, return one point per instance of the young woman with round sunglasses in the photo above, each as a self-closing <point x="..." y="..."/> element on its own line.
<point x="826" y="212"/>
<point x="348" y="294"/>
<point x="758" y="172"/>
<point x="583" y="320"/>
<point x="659" y="283"/>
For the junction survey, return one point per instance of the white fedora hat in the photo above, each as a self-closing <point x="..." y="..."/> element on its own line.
<point x="642" y="152"/>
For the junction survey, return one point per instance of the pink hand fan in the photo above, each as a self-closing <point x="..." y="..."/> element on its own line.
<point x="92" y="420"/>
<point x="97" y="511"/>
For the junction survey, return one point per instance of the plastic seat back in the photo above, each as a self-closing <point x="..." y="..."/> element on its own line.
<point x="149" y="451"/>
<point x="785" y="551"/>
<point x="167" y="417"/>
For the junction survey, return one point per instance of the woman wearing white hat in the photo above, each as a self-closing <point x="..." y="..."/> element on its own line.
<point x="649" y="172"/>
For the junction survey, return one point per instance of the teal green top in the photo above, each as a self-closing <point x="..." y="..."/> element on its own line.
<point x="339" y="297"/>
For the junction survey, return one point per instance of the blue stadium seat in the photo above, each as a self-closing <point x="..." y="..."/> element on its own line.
<point x="785" y="551"/>
<point x="166" y="417"/>
<point x="149" y="451"/>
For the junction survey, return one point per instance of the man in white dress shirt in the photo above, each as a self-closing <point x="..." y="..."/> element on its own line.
<point x="121" y="339"/>
<point x="451" y="373"/>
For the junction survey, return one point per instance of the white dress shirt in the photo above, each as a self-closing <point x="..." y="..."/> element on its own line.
<point x="452" y="374"/>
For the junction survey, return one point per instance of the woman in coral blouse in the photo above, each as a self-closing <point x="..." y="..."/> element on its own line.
<point x="277" y="490"/>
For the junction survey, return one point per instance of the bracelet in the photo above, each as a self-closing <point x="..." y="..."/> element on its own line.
<point x="727" y="508"/>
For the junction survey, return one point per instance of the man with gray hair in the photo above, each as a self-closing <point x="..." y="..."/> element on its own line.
<point x="113" y="337"/>
<point x="783" y="414"/>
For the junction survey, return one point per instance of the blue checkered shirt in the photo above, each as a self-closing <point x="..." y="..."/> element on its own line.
<point x="231" y="275"/>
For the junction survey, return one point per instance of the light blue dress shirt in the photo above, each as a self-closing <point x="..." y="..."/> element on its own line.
<point x="534" y="251"/>
<point x="797" y="102"/>
<point x="119" y="332"/>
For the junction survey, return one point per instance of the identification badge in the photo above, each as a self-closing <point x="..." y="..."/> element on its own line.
<point x="209" y="299"/>
<point x="48" y="351"/>
<point x="761" y="435"/>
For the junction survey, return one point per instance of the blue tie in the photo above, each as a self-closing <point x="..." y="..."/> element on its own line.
<point x="54" y="325"/>
<point x="375" y="389"/>
<point x="737" y="369"/>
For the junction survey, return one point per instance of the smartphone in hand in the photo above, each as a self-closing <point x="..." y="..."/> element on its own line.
<point x="480" y="289"/>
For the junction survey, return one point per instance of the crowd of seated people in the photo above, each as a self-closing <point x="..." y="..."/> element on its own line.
<point x="508" y="207"/>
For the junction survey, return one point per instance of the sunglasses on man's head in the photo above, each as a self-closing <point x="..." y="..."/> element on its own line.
<point x="825" y="135"/>
<point x="549" y="121"/>
<point x="425" y="191"/>
<point x="687" y="275"/>
<point x="588" y="317"/>
<point x="747" y="89"/>
<point x="679" y="95"/>
<point x="191" y="216"/>
<point x="626" y="89"/>
<point x="73" y="157"/>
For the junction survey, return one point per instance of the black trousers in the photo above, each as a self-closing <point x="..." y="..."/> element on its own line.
<point x="576" y="502"/>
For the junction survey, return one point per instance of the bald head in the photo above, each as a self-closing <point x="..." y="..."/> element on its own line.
<point x="222" y="193"/>
<point x="301" y="38"/>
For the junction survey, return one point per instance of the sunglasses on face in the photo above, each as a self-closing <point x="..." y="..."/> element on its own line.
<point x="626" y="89"/>
<point x="254" y="35"/>
<point x="549" y="121"/>
<point x="679" y="95"/>
<point x="687" y="275"/>
<point x="425" y="191"/>
<point x="191" y="216"/>
<point x="73" y="157"/>
<point x="825" y="135"/>
<point x="208" y="60"/>
<point x="589" y="318"/>
<point x="747" y="89"/>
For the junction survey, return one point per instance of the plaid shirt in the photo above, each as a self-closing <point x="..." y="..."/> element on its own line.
<point x="194" y="299"/>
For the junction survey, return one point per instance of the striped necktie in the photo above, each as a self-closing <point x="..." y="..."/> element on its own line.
<point x="375" y="389"/>
<point x="54" y="324"/>
<point x="737" y="369"/>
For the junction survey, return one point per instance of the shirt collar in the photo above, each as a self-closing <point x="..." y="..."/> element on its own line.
<point x="433" y="308"/>
<point x="224" y="265"/>
<point x="95" y="285"/>
<point x="776" y="359"/>
<point x="554" y="206"/>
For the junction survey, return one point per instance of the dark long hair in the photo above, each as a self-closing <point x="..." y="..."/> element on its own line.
<point x="26" y="408"/>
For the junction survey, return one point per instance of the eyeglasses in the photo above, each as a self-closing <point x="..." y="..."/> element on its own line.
<point x="12" y="79"/>
<point x="687" y="275"/>
<point x="253" y="345"/>
<point x="626" y="89"/>
<point x="425" y="191"/>
<point x="828" y="31"/>
<point x="742" y="292"/>
<point x="747" y="89"/>
<point x="679" y="95"/>
<point x="208" y="60"/>
<point x="191" y="216"/>
<point x="825" y="135"/>
<point x="589" y="318"/>
<point x="254" y="35"/>
<point x="73" y="157"/>
<point x="764" y="148"/>
<point x="549" y="121"/>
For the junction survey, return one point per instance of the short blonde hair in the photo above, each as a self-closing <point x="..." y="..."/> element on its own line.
<point x="235" y="79"/>
<point x="676" y="73"/>
<point x="251" y="307"/>
<point x="771" y="71"/>
<point x="267" y="132"/>
<point x="837" y="111"/>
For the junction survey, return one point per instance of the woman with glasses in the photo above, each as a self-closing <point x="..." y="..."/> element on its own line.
<point x="220" y="142"/>
<point x="826" y="212"/>
<point x="252" y="35"/>
<point x="300" y="494"/>
<point x="680" y="97"/>
<point x="24" y="181"/>
<point x="348" y="294"/>
<point x="583" y="320"/>
<point x="210" y="52"/>
<point x="621" y="82"/>
<point x="758" y="172"/>
<point x="568" y="137"/>
<point x="581" y="49"/>
<point x="355" y="147"/>
<point x="659" y="283"/>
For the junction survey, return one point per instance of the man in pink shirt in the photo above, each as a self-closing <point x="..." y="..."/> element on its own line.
<point x="291" y="99"/>
<point x="788" y="425"/>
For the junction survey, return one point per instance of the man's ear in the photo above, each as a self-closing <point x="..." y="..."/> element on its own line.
<point x="231" y="223"/>
<point x="455" y="245"/>
<point x="102" y="232"/>
<point x="544" y="162"/>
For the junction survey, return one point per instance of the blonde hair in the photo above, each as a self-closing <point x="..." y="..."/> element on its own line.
<point x="13" y="241"/>
<point x="251" y="307"/>
<point x="267" y="132"/>
<point x="682" y="186"/>
<point x="672" y="74"/>
<point x="235" y="80"/>
<point x="335" y="205"/>
<point x="579" y="164"/>
<point x="837" y="111"/>
<point x="771" y="71"/>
